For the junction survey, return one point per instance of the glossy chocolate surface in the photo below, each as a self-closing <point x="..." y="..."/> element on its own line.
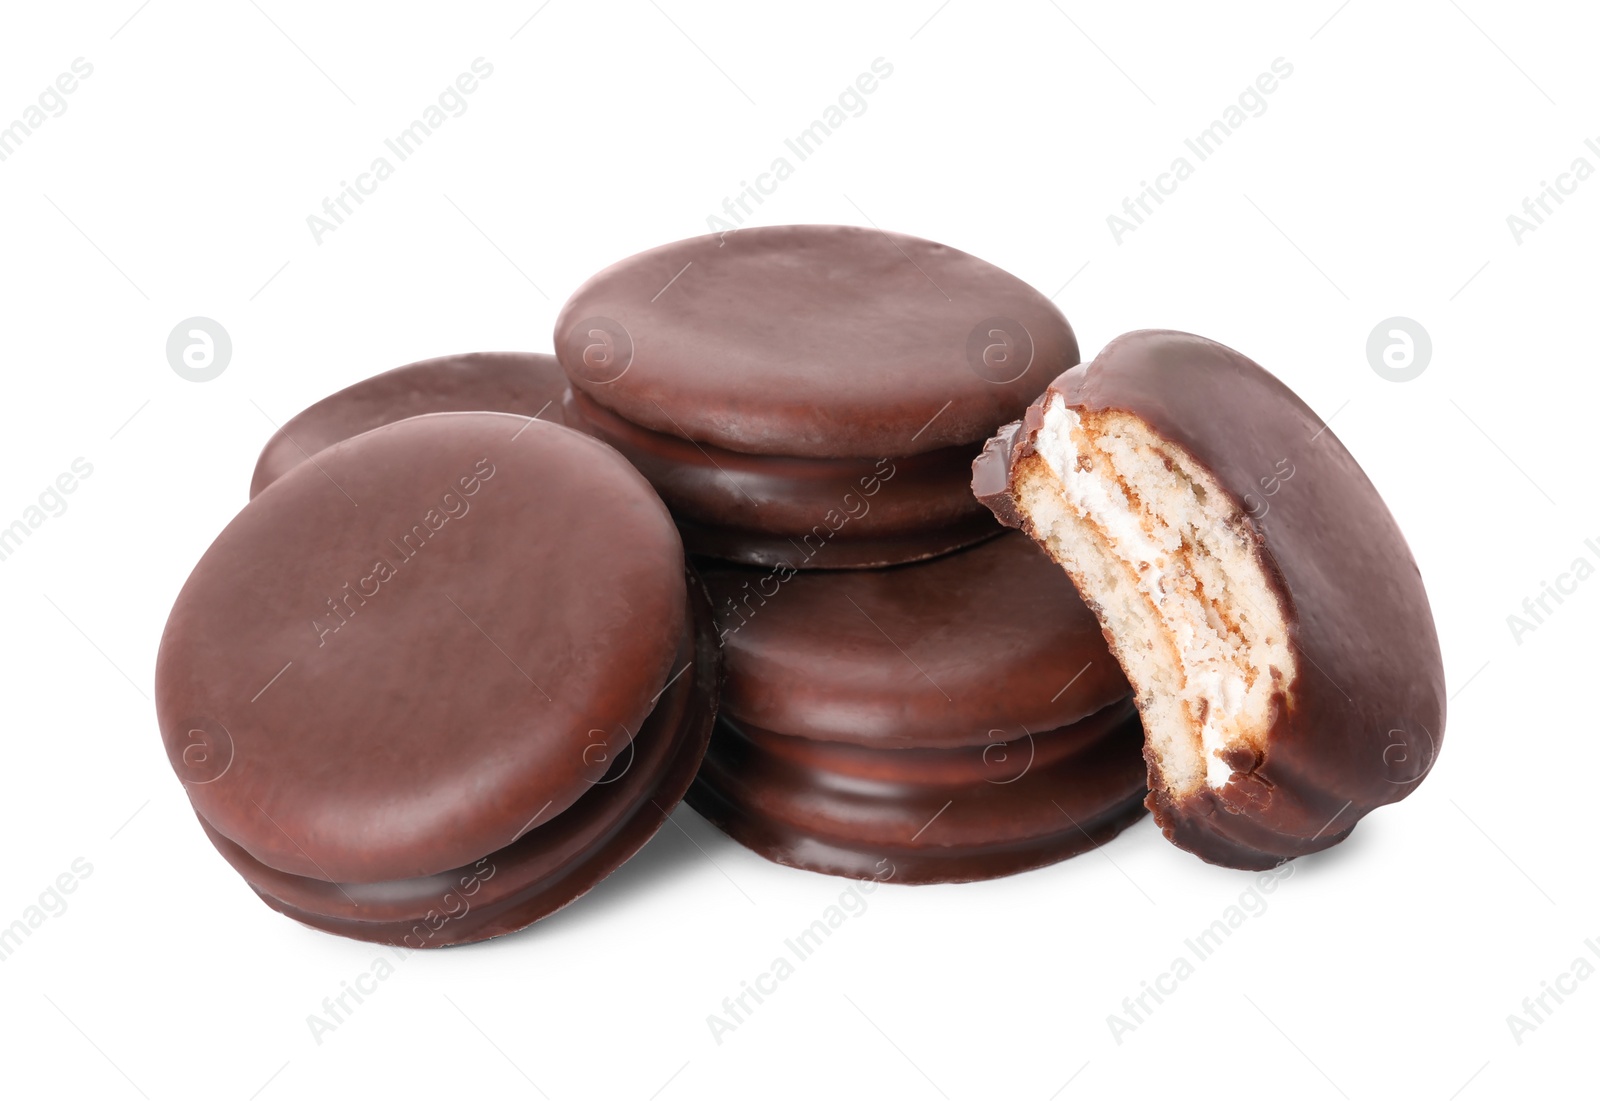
<point x="823" y="342"/>
<point x="390" y="660"/>
<point x="918" y="718"/>
<point x="1362" y="722"/>
<point x="976" y="647"/>
<point x="925" y="815"/>
<point x="524" y="383"/>
<point x="557" y="860"/>
<point x="806" y="513"/>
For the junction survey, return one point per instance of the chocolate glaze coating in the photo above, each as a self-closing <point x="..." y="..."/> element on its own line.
<point x="524" y="383"/>
<point x="991" y="473"/>
<point x="806" y="513"/>
<point x="554" y="863"/>
<point x="392" y="658"/>
<point x="965" y="650"/>
<point x="824" y="342"/>
<point x="861" y="705"/>
<point x="925" y="815"/>
<point x="1362" y="721"/>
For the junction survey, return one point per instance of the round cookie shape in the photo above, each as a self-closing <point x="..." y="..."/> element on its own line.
<point x="1251" y="581"/>
<point x="525" y="383"/>
<point x="983" y="645"/>
<point x="813" y="341"/>
<point x="393" y="660"/>
<point x="554" y="862"/>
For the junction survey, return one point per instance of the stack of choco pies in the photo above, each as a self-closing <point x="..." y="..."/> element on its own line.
<point x="911" y="692"/>
<point x="488" y="618"/>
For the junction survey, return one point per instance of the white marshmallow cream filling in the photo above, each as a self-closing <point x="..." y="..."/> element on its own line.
<point x="1165" y="559"/>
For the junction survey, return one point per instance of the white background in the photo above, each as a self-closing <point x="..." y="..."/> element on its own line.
<point x="1378" y="182"/>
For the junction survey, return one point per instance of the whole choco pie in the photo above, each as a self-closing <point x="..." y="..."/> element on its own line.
<point x="1254" y="586"/>
<point x="809" y="395"/>
<point x="423" y="691"/>
<point x="949" y="720"/>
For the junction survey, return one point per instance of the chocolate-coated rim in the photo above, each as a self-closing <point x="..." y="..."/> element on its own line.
<point x="598" y="833"/>
<point x="522" y="383"/>
<point x="747" y="548"/>
<point x="791" y="816"/>
<point x="809" y="513"/>
<point x="966" y="649"/>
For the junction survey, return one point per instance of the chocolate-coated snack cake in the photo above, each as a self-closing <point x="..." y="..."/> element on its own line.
<point x="809" y="395"/>
<point x="1253" y="585"/>
<point x="943" y="721"/>
<point x="525" y="383"/>
<point x="424" y="691"/>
